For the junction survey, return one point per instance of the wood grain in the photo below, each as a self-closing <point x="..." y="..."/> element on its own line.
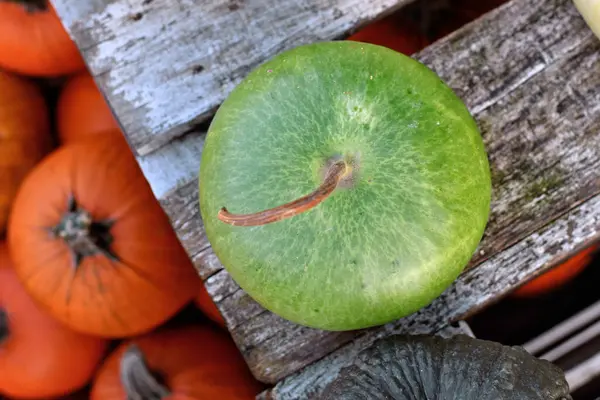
<point x="541" y="127"/>
<point x="165" y="65"/>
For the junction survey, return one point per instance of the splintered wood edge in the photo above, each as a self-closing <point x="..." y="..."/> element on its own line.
<point x="134" y="48"/>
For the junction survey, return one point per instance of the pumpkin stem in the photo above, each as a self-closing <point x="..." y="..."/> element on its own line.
<point x="84" y="236"/>
<point x="30" y="6"/>
<point x="137" y="379"/>
<point x="4" y="330"/>
<point x="336" y="172"/>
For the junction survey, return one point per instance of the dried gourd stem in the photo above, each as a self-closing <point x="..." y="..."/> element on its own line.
<point x="137" y="379"/>
<point x="84" y="236"/>
<point x="30" y="5"/>
<point x="334" y="174"/>
<point x="4" y="328"/>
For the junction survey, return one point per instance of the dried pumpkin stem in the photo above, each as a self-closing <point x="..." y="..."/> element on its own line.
<point x="334" y="175"/>
<point x="137" y="379"/>
<point x="4" y="329"/>
<point x="84" y="236"/>
<point x="30" y="5"/>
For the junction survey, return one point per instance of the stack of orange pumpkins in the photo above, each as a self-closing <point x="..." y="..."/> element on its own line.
<point x="92" y="274"/>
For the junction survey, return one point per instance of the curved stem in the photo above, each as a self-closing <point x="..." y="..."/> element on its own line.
<point x="137" y="379"/>
<point x="4" y="328"/>
<point x="334" y="174"/>
<point x="84" y="236"/>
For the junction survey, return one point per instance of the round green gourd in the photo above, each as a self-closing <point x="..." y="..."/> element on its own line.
<point x="411" y="193"/>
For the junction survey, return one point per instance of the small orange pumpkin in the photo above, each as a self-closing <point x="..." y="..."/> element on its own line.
<point x="106" y="259"/>
<point x="39" y="356"/>
<point x="24" y="135"/>
<point x="394" y="32"/>
<point x="194" y="362"/>
<point x="558" y="276"/>
<point x="82" y="110"/>
<point x="34" y="42"/>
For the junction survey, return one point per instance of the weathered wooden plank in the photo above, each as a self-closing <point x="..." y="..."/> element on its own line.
<point x="542" y="131"/>
<point x="165" y="65"/>
<point x="319" y="375"/>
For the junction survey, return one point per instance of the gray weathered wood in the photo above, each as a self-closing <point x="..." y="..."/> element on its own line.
<point x="527" y="73"/>
<point x="165" y="65"/>
<point x="319" y="375"/>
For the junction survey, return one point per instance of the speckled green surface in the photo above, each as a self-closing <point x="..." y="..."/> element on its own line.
<point x="370" y="253"/>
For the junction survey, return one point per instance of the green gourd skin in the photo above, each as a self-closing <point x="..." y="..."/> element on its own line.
<point x="384" y="244"/>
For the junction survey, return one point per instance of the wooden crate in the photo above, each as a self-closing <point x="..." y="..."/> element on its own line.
<point x="527" y="71"/>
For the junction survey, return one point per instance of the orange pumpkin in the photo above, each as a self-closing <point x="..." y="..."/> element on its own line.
<point x="194" y="362"/>
<point x="34" y="42"/>
<point x="106" y="260"/>
<point x="82" y="110"/>
<point x="24" y="135"/>
<point x="39" y="357"/>
<point x="205" y="303"/>
<point x="558" y="276"/>
<point x="394" y="32"/>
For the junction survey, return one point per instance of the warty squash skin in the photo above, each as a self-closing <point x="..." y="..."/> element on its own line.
<point x="106" y="260"/>
<point x="24" y="135"/>
<point x="188" y="363"/>
<point x="403" y="367"/>
<point x="40" y="358"/>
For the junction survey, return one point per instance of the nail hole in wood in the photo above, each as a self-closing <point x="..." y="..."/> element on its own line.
<point x="136" y="17"/>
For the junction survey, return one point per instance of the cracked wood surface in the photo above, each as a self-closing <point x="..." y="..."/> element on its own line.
<point x="527" y="71"/>
<point x="165" y="65"/>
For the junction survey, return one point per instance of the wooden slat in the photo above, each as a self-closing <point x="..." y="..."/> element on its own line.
<point x="165" y="65"/>
<point x="527" y="72"/>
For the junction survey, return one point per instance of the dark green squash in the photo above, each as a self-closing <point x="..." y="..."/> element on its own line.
<point x="434" y="368"/>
